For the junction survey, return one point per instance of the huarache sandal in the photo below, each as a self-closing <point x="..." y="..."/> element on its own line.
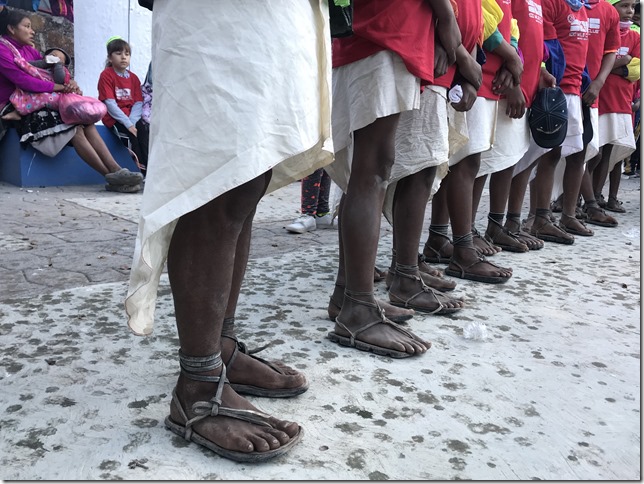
<point x="412" y="301"/>
<point x="581" y="229"/>
<point x="597" y="216"/>
<point x="430" y="276"/>
<point x="191" y="367"/>
<point x="542" y="228"/>
<point x="228" y="332"/>
<point x="614" y="205"/>
<point x="513" y="224"/>
<point x="436" y="256"/>
<point x="352" y="341"/>
<point x="462" y="271"/>
<point x="334" y="309"/>
<point x="498" y="235"/>
<point x="482" y="245"/>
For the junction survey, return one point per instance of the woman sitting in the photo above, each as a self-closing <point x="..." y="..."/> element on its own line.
<point x="44" y="130"/>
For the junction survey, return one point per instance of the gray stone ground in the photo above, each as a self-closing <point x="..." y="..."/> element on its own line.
<point x="552" y="392"/>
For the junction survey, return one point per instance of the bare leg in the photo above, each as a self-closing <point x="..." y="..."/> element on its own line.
<point x="496" y="233"/>
<point x="398" y="315"/>
<point x="438" y="247"/>
<point x="87" y="153"/>
<point x="575" y="181"/>
<point x="410" y="201"/>
<point x="542" y="227"/>
<point x="101" y="149"/>
<point x="601" y="171"/>
<point x="613" y="204"/>
<point x="480" y="243"/>
<point x="201" y="288"/>
<point x="374" y="148"/>
<point x="516" y="195"/>
<point x="466" y="261"/>
<point x="247" y="370"/>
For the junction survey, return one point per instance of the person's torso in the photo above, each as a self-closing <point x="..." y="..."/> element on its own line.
<point x="617" y="93"/>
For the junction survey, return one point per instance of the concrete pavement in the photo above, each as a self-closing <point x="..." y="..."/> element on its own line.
<point x="551" y="393"/>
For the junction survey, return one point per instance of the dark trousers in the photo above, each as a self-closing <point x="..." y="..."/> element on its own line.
<point x="138" y="144"/>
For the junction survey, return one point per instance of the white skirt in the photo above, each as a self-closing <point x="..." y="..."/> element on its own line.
<point x="249" y="93"/>
<point x="422" y="140"/>
<point x="481" y="124"/>
<point x="363" y="91"/>
<point x="511" y="141"/>
<point x="617" y="129"/>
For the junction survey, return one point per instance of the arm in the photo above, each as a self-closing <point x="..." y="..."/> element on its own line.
<point x="117" y="113"/>
<point x="596" y="84"/>
<point x="447" y="28"/>
<point x="135" y="113"/>
<point x="58" y="73"/>
<point x="19" y="78"/>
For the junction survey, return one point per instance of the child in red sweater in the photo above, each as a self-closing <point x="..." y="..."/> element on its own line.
<point x="120" y="90"/>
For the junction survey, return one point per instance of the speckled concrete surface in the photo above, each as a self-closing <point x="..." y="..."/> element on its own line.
<point x="552" y="393"/>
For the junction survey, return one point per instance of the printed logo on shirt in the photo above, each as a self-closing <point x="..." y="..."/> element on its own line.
<point x="594" y="25"/>
<point x="535" y="12"/>
<point x="622" y="51"/>
<point x="123" y="93"/>
<point x="578" y="28"/>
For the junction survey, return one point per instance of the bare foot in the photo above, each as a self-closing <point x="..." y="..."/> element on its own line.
<point x="514" y="227"/>
<point x="544" y="229"/>
<point x="393" y="313"/>
<point x="363" y="320"/>
<point x="408" y="290"/>
<point x="483" y="246"/>
<point x="253" y="376"/>
<point x="12" y="116"/>
<point x="226" y="432"/>
<point x="430" y="276"/>
<point x="438" y="249"/>
<point x="574" y="226"/>
<point x="468" y="264"/>
<point x="502" y="237"/>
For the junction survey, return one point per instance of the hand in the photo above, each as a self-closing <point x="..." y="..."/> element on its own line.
<point x="515" y="66"/>
<point x="440" y="60"/>
<point x="627" y="57"/>
<point x="469" y="96"/>
<point x="470" y="70"/>
<point x="72" y="86"/>
<point x="546" y="79"/>
<point x="449" y="36"/>
<point x="636" y="105"/>
<point x="515" y="102"/>
<point x="502" y="81"/>
<point x="590" y="96"/>
<point x="132" y="129"/>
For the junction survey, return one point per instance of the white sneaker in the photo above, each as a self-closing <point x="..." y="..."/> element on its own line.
<point x="305" y="223"/>
<point x="324" y="222"/>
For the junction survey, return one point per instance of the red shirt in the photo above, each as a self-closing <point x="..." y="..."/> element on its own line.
<point x="603" y="37"/>
<point x="405" y="27"/>
<point x="571" y="29"/>
<point x="529" y="17"/>
<point x="469" y="23"/>
<point x="124" y="91"/>
<point x="617" y="93"/>
<point x="493" y="61"/>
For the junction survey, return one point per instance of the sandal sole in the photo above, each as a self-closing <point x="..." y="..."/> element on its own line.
<point x="421" y="309"/>
<point x="231" y="454"/>
<point x="555" y="239"/>
<point x="362" y="346"/>
<point x="601" y="224"/>
<point x="477" y="277"/>
<point x="267" y="392"/>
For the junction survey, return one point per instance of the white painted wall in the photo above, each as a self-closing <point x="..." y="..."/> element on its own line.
<point x="95" y="21"/>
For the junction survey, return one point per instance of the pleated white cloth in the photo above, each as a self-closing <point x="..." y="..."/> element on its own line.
<point x="511" y="141"/>
<point x="617" y="129"/>
<point x="239" y="88"/>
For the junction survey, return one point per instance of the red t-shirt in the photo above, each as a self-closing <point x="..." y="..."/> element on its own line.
<point x="470" y="23"/>
<point x="529" y="17"/>
<point x="405" y="27"/>
<point x="603" y="36"/>
<point x="124" y="91"/>
<point x="617" y="93"/>
<point x="493" y="61"/>
<point x="571" y="29"/>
